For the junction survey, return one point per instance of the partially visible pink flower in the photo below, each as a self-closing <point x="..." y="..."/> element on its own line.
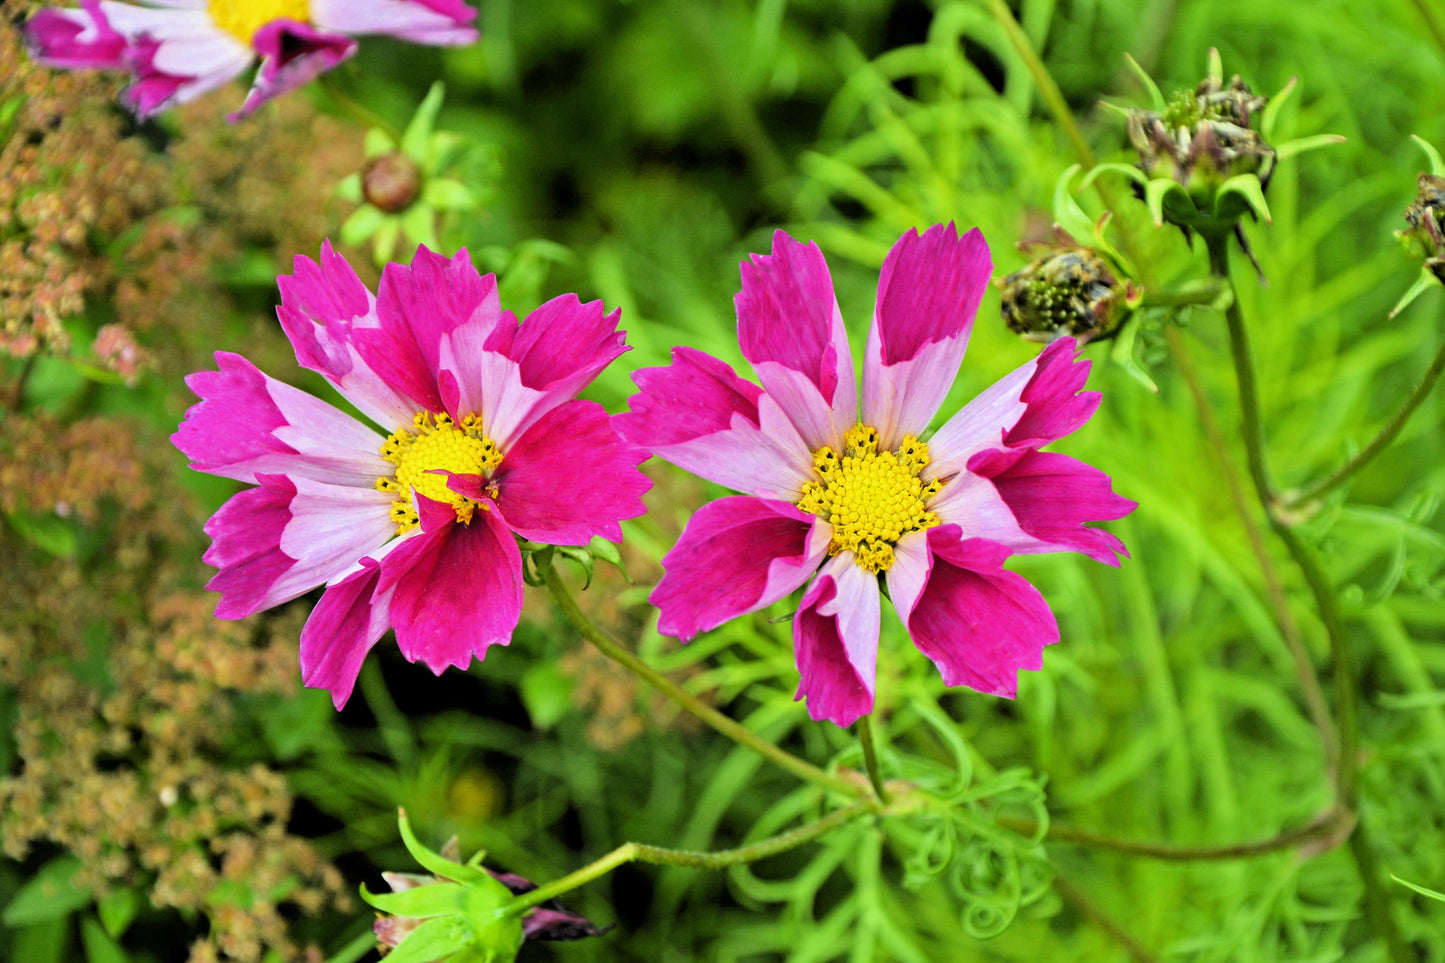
<point x="417" y="529"/>
<point x="835" y="500"/>
<point x="180" y="49"/>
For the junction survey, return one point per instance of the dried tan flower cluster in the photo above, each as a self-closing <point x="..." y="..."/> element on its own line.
<point x="126" y="689"/>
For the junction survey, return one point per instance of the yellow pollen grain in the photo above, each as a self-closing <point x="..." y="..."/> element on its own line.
<point x="435" y="442"/>
<point x="242" y="18"/>
<point x="871" y="498"/>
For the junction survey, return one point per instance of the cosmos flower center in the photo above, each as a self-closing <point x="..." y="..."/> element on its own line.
<point x="242" y="18"/>
<point x="423" y="456"/>
<point x="871" y="498"/>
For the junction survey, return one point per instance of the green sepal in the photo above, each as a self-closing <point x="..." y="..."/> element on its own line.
<point x="1437" y="165"/>
<point x="1156" y="98"/>
<point x="582" y="557"/>
<point x="446" y="194"/>
<point x="434" y="861"/>
<point x="1270" y="117"/>
<point x="1128" y="170"/>
<point x="1293" y="148"/>
<point x="1067" y="212"/>
<point x="383" y="242"/>
<point x="349" y="188"/>
<point x="436" y="939"/>
<point x="377" y="142"/>
<point x="414" y="139"/>
<point x="1122" y="354"/>
<point x="361" y="225"/>
<point x="419" y="224"/>
<point x="1250" y="192"/>
<point x="1216" y="66"/>
<point x="1155" y="193"/>
<point x="422" y="902"/>
<point x="1422" y="283"/>
<point x="609" y="553"/>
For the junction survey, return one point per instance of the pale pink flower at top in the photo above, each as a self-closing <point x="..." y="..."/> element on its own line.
<point x="413" y="528"/>
<point x="180" y="49"/>
<point x="841" y="499"/>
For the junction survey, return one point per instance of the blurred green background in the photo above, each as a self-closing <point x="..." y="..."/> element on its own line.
<point x="636" y="152"/>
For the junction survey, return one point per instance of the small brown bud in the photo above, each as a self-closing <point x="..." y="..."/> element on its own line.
<point x="391" y="181"/>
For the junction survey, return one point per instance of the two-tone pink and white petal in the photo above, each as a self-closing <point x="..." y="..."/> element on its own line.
<point x="546" y="493"/>
<point x="292" y="55"/>
<point x="792" y="333"/>
<point x="249" y="423"/>
<point x="456" y="589"/>
<point x="350" y="619"/>
<point x="699" y="415"/>
<point x="76" y="39"/>
<point x="978" y="622"/>
<point x="433" y="22"/>
<point x="928" y="293"/>
<point x="1038" y="402"/>
<point x="736" y="555"/>
<point x="835" y="642"/>
<point x="176" y="52"/>
<point x="322" y="303"/>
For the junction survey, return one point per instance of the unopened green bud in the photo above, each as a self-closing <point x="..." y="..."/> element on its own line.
<point x="1425" y="237"/>
<point x="1071" y="292"/>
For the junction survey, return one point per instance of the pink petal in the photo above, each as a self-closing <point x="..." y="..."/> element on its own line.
<point x="246" y="546"/>
<point x="75" y="38"/>
<point x="177" y="55"/>
<point x="979" y="623"/>
<point x="417" y="307"/>
<point x="247" y="423"/>
<point x="457" y="588"/>
<point x="350" y="618"/>
<point x="292" y="54"/>
<point x="321" y="304"/>
<point x="556" y="352"/>
<point x="570" y="478"/>
<point x="736" y="555"/>
<point x="1036" y="403"/>
<point x="437" y="22"/>
<point x="928" y="293"/>
<point x="1052" y="496"/>
<point x="835" y="640"/>
<point x="790" y="329"/>
<point x="699" y="415"/>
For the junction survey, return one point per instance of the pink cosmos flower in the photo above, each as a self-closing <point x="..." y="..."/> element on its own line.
<point x="840" y="499"/>
<point x="180" y="49"/>
<point x="413" y="528"/>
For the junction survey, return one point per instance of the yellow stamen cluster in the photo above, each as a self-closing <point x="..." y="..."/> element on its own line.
<point x="871" y="498"/>
<point x="436" y="442"/>
<point x="242" y="18"/>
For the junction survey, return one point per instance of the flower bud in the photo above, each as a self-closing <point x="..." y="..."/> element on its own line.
<point x="1070" y="292"/>
<point x="391" y="181"/>
<point x="1425" y="237"/>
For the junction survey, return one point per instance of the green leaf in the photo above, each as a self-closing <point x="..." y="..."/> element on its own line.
<point x="1156" y="99"/>
<point x="349" y="188"/>
<point x="1156" y="191"/>
<point x="1270" y="117"/>
<point x="418" y="132"/>
<point x="422" y="902"/>
<point x="546" y="693"/>
<point x="446" y="194"/>
<point x="383" y="242"/>
<point x="1422" y="283"/>
<point x="1432" y="894"/>
<point x="118" y="909"/>
<point x="99" y="947"/>
<point x="432" y="860"/>
<point x="1293" y="148"/>
<point x="433" y="940"/>
<point x="1437" y="165"/>
<point x="1122" y="354"/>
<point x="419" y="223"/>
<point x="48" y="895"/>
<point x="50" y="533"/>
<point x="1067" y="212"/>
<point x="1249" y="190"/>
<point x="1128" y="170"/>
<point x="363" y="223"/>
<point x="44" y="942"/>
<point x="378" y="142"/>
<point x="583" y="558"/>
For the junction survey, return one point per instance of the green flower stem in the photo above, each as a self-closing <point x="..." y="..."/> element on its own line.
<point x="870" y="758"/>
<point x="1377" y="899"/>
<point x="1182" y="299"/>
<point x="1332" y="824"/>
<point x="1048" y="89"/>
<point x="1433" y="21"/>
<point x="1378" y="443"/>
<point x="355" y="109"/>
<point x="735" y="731"/>
<point x="1314" y="695"/>
<point x="719" y="859"/>
<point x="1075" y="896"/>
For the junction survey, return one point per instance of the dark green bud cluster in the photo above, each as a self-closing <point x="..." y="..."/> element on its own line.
<point x="1425" y="237"/>
<point x="1071" y="292"/>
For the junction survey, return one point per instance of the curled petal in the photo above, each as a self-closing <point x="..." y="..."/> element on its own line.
<point x="292" y="54"/>
<point x="835" y="642"/>
<point x="350" y="618"/>
<point x="928" y="293"/>
<point x="790" y="329"/>
<point x="1036" y="403"/>
<point x="570" y="478"/>
<point x="1052" y="496"/>
<point x="457" y="589"/>
<point x="979" y="623"/>
<point x="736" y="555"/>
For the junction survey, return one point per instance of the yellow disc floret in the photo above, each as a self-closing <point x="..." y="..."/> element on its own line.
<point x="871" y="498"/>
<point x="423" y="455"/>
<point x="242" y="18"/>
